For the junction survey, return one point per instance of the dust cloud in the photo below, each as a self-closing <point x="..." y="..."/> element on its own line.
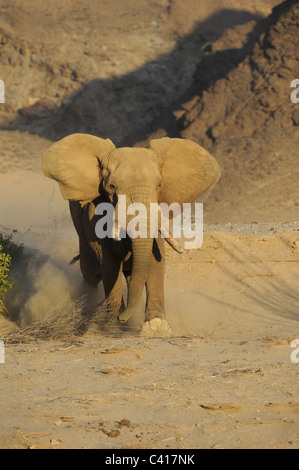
<point x="183" y="311"/>
<point x="46" y="287"/>
<point x="43" y="281"/>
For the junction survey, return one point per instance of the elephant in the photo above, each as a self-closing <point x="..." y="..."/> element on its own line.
<point x="91" y="171"/>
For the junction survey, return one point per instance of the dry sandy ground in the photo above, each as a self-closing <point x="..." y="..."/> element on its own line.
<point x="225" y="378"/>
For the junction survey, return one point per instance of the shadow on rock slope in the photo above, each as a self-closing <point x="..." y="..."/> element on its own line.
<point x="127" y="106"/>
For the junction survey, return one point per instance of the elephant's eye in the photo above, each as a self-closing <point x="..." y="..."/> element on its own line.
<point x="112" y="186"/>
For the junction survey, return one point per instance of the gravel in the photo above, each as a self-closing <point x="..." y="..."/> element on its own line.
<point x="254" y="228"/>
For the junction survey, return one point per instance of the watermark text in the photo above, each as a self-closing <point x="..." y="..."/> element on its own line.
<point x="295" y="353"/>
<point x="295" y="94"/>
<point x="2" y="352"/>
<point x="134" y="220"/>
<point x="2" y="92"/>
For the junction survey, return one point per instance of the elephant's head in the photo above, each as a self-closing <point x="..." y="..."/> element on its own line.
<point x="171" y="170"/>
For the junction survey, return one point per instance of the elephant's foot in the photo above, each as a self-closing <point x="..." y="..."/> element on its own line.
<point x="151" y="314"/>
<point x="156" y="328"/>
<point x="124" y="316"/>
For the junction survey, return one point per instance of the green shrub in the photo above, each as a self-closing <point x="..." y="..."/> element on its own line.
<point x="10" y="252"/>
<point x="10" y="247"/>
<point x="5" y="282"/>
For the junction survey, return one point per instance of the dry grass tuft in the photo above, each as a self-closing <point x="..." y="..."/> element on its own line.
<point x="66" y="322"/>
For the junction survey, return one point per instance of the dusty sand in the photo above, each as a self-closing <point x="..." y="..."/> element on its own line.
<point x="225" y="378"/>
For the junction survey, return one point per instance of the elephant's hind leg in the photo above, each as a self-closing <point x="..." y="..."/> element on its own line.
<point x="112" y="281"/>
<point x="89" y="265"/>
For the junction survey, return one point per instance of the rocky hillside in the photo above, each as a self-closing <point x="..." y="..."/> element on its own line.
<point x="255" y="95"/>
<point x="251" y="125"/>
<point x="247" y="120"/>
<point x="216" y="73"/>
<point x="107" y="67"/>
<point x="239" y="108"/>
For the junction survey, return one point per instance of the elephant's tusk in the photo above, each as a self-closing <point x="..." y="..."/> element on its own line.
<point x="117" y="230"/>
<point x="171" y="241"/>
<point x="76" y="258"/>
<point x="116" y="236"/>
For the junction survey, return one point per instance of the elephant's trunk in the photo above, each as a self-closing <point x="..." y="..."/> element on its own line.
<point x="163" y="231"/>
<point x="142" y="256"/>
<point x="142" y="250"/>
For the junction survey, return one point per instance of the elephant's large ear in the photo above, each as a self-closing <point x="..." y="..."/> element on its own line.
<point x="187" y="169"/>
<point x="74" y="163"/>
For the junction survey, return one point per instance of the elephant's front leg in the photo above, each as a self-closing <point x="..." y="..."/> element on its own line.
<point x="155" y="283"/>
<point x="110" y="263"/>
<point x="112" y="282"/>
<point x="155" y="323"/>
